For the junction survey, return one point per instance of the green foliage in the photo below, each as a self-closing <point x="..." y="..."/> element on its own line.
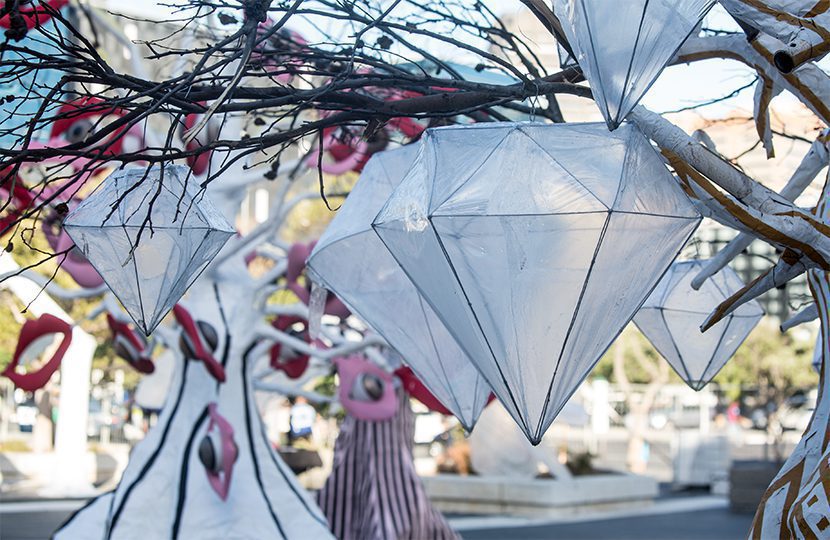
<point x="769" y="358"/>
<point x="326" y="386"/>
<point x="310" y="217"/>
<point x="635" y="342"/>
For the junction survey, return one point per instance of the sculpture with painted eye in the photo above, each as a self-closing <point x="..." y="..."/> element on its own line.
<point x="79" y="119"/>
<point x="283" y="357"/>
<point x="36" y="338"/>
<point x="130" y="346"/>
<point x="297" y="256"/>
<point x="197" y="341"/>
<point x="199" y="162"/>
<point x="366" y="391"/>
<point x="74" y="264"/>
<point x="218" y="452"/>
<point x="35" y="15"/>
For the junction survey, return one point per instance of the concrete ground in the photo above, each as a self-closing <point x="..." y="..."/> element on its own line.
<point x="717" y="524"/>
<point x="686" y="518"/>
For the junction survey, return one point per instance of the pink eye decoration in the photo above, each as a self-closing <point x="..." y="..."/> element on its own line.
<point x="366" y="391"/>
<point x="218" y="452"/>
<point x="283" y="357"/>
<point x="130" y="346"/>
<point x="196" y="338"/>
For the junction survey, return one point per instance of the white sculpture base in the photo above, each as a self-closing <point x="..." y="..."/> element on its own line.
<point x="539" y="498"/>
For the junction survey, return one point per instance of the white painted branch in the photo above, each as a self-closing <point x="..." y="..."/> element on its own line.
<point x="301" y="347"/>
<point x="812" y="164"/>
<point x="290" y="390"/>
<point x="776" y="276"/>
<point x="70" y="432"/>
<point x="809" y="313"/>
<point x="805" y="38"/>
<point x="54" y="289"/>
<point x="810" y="84"/>
<point x="794" y="227"/>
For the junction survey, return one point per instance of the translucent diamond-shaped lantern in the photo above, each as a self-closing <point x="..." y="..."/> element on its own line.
<point x="351" y="260"/>
<point x="622" y="46"/>
<point x="671" y="318"/>
<point x="536" y="244"/>
<point x="148" y="263"/>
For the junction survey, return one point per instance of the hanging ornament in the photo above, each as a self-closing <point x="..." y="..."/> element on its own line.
<point x="148" y="242"/>
<point x="536" y="244"/>
<point x="623" y="46"/>
<point x="36" y="337"/>
<point x="671" y="318"/>
<point x="351" y="260"/>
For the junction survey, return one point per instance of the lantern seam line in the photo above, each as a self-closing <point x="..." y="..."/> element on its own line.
<point x="572" y="323"/>
<point x="112" y="519"/>
<point x="478" y="323"/>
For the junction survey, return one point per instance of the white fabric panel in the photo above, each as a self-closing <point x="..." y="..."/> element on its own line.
<point x="352" y="261"/>
<point x="622" y="46"/>
<point x="672" y="316"/>
<point x="148" y="243"/>
<point x="533" y="256"/>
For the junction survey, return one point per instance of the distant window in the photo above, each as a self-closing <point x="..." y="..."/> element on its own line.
<point x="261" y="205"/>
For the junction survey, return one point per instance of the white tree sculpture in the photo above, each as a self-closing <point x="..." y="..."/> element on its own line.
<point x="243" y="87"/>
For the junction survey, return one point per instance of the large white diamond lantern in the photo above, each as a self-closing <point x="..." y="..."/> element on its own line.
<point x="149" y="233"/>
<point x="351" y="261"/>
<point x="671" y="318"/>
<point x="622" y="46"/>
<point x="536" y="244"/>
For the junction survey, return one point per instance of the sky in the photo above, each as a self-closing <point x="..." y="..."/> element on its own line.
<point x="677" y="87"/>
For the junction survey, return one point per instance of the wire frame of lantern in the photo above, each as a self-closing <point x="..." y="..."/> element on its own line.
<point x="536" y="244"/>
<point x="623" y="47"/>
<point x="150" y="242"/>
<point x="672" y="316"/>
<point x="350" y="260"/>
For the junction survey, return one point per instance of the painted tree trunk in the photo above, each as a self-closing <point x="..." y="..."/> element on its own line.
<point x="165" y="491"/>
<point x="797" y="502"/>
<point x="373" y="492"/>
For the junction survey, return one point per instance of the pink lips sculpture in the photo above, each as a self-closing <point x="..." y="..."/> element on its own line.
<point x="366" y="391"/>
<point x="195" y="339"/>
<point x="33" y="330"/>
<point x="130" y="346"/>
<point x="218" y="452"/>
